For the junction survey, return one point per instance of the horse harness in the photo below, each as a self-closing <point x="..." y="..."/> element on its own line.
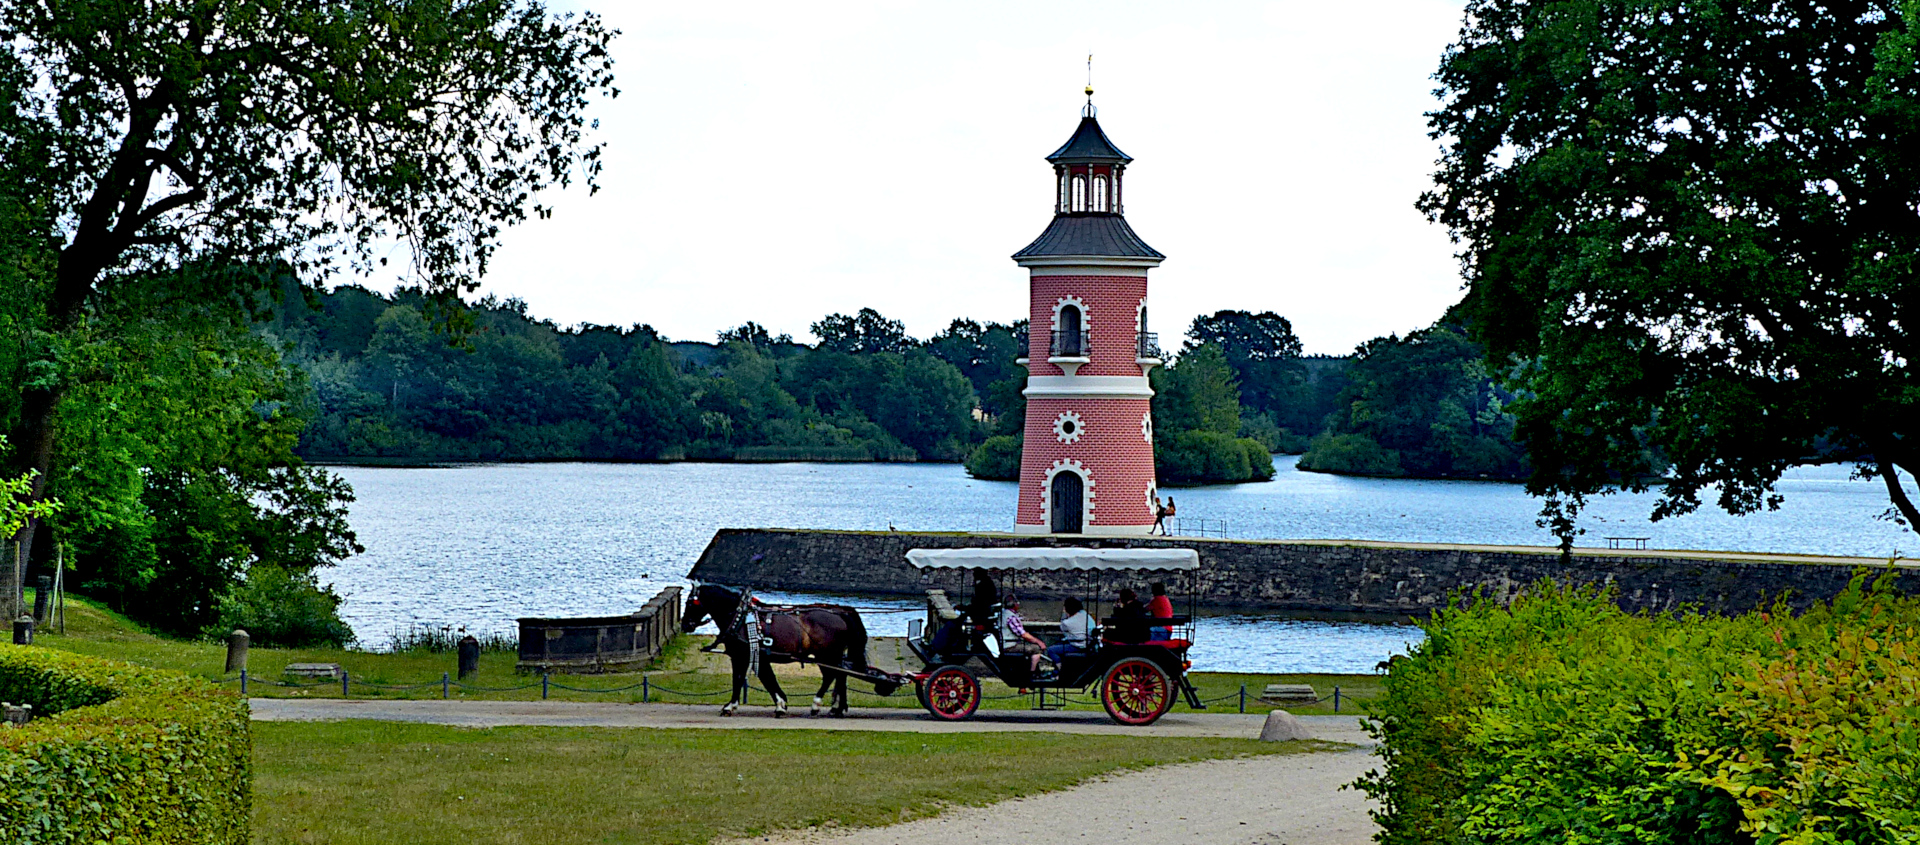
<point x="750" y="622"/>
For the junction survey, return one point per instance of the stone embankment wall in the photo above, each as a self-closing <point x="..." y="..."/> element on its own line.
<point x="1298" y="575"/>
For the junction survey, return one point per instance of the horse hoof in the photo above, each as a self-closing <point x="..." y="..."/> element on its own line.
<point x="779" y="714"/>
<point x="726" y="712"/>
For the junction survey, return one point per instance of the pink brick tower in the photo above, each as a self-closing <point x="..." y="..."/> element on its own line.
<point x="1088" y="461"/>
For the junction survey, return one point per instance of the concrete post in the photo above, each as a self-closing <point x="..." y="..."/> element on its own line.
<point x="23" y="630"/>
<point x="469" y="656"/>
<point x="237" y="643"/>
<point x="42" y="593"/>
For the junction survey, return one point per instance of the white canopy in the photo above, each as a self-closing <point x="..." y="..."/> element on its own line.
<point x="1044" y="558"/>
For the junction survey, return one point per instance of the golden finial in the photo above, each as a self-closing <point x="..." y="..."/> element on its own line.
<point x="1089" y="76"/>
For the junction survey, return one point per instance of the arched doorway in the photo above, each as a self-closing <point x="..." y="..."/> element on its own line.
<point x="1068" y="507"/>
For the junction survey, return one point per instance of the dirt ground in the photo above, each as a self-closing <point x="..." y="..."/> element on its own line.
<point x="1292" y="799"/>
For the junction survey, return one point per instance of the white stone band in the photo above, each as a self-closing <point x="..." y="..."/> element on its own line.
<point x="1088" y="387"/>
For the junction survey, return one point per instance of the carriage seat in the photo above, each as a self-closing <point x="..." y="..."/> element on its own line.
<point x="1174" y="644"/>
<point x="942" y="608"/>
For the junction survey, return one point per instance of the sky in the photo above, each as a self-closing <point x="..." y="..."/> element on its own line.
<point x="777" y="162"/>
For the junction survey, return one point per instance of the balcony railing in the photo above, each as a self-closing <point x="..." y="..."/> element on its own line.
<point x="1070" y="344"/>
<point x="1149" y="347"/>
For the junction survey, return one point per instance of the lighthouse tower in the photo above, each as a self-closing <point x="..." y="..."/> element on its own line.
<point x="1087" y="467"/>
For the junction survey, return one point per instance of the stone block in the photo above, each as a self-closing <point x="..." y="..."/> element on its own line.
<point x="1282" y="726"/>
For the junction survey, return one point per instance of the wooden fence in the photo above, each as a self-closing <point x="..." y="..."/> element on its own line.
<point x="600" y="643"/>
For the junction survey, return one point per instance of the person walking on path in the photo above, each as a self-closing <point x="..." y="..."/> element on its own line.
<point x="1159" y="517"/>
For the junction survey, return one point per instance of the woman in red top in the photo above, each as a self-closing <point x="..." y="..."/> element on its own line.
<point x="1161" y="607"/>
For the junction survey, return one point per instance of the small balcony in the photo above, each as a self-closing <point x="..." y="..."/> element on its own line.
<point x="1148" y="348"/>
<point x="1069" y="350"/>
<point x="1070" y="344"/>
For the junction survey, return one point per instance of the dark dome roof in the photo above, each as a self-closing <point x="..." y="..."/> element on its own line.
<point x="1088" y="145"/>
<point x="1089" y="234"/>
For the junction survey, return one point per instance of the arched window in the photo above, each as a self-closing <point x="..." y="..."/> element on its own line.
<point x="1079" y="193"/>
<point x="1063" y="190"/>
<point x="1099" y="193"/>
<point x="1069" y="342"/>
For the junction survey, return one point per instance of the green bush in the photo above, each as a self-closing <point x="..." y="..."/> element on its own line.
<point x="120" y="753"/>
<point x="281" y="608"/>
<point x="997" y="459"/>
<point x="1350" y="454"/>
<point x="1563" y="719"/>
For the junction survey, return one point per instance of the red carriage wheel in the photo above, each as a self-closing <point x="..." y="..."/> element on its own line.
<point x="1136" y="691"/>
<point x="951" y="693"/>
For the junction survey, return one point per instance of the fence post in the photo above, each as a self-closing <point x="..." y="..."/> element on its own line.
<point x="237" y="643"/>
<point x="543" y="685"/>
<point x="644" y="689"/>
<point x="469" y="656"/>
<point x="343" y="684"/>
<point x="243" y="682"/>
<point x="1243" y="698"/>
<point x="446" y="685"/>
<point x="1336" y="699"/>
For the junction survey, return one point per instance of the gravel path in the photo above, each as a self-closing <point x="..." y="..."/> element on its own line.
<point x="1286" y="799"/>
<point x="610" y="715"/>
<point x="1289" y="799"/>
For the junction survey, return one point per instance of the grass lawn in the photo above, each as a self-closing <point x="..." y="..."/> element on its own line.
<point x="683" y="674"/>
<point x="376" y="782"/>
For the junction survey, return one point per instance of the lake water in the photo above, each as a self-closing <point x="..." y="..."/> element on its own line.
<point x="480" y="545"/>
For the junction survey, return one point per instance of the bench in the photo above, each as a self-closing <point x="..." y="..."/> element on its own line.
<point x="1638" y="543"/>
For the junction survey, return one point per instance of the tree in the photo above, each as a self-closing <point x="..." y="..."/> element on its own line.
<point x="755" y="335"/>
<point x="867" y="332"/>
<point x="141" y="136"/>
<point x="1693" y="229"/>
<point x="1196" y="423"/>
<point x="1422" y="405"/>
<point x="1265" y="356"/>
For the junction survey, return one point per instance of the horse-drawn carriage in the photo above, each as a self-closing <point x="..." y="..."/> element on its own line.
<point x="1137" y="677"/>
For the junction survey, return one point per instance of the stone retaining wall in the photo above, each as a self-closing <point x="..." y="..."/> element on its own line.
<point x="1394" y="579"/>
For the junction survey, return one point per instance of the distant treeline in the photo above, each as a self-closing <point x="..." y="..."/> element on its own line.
<point x="410" y="378"/>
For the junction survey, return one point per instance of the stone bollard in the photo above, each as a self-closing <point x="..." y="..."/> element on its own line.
<point x="16" y="714"/>
<point x="1282" y="726"/>
<point x="469" y="656"/>
<point x="23" y="630"/>
<point x="42" y="598"/>
<point x="237" y="650"/>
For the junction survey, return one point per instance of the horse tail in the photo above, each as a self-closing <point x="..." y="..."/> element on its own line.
<point x="856" y="640"/>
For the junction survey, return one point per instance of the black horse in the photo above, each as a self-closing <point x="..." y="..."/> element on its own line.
<point x="830" y="635"/>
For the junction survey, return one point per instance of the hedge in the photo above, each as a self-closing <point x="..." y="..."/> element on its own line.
<point x="1562" y="719"/>
<point x="119" y="753"/>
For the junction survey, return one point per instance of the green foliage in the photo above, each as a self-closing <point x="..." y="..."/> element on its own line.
<point x="866" y="333"/>
<point x="136" y="755"/>
<point x="282" y="608"/>
<point x="176" y="441"/>
<point x="1196" y="423"/>
<point x="997" y="458"/>
<point x="1563" y="719"/>
<point x="1421" y="406"/>
<point x="1693" y="231"/>
<point x="387" y="383"/>
<point x="16" y="506"/>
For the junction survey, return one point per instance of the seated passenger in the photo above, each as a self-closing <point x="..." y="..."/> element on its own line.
<point x="1129" y="619"/>
<point x="1014" y="638"/>
<point x="1160" y="608"/>
<point x="1076" y="634"/>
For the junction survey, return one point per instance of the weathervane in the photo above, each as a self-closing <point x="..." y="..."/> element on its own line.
<point x="1089" y="111"/>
